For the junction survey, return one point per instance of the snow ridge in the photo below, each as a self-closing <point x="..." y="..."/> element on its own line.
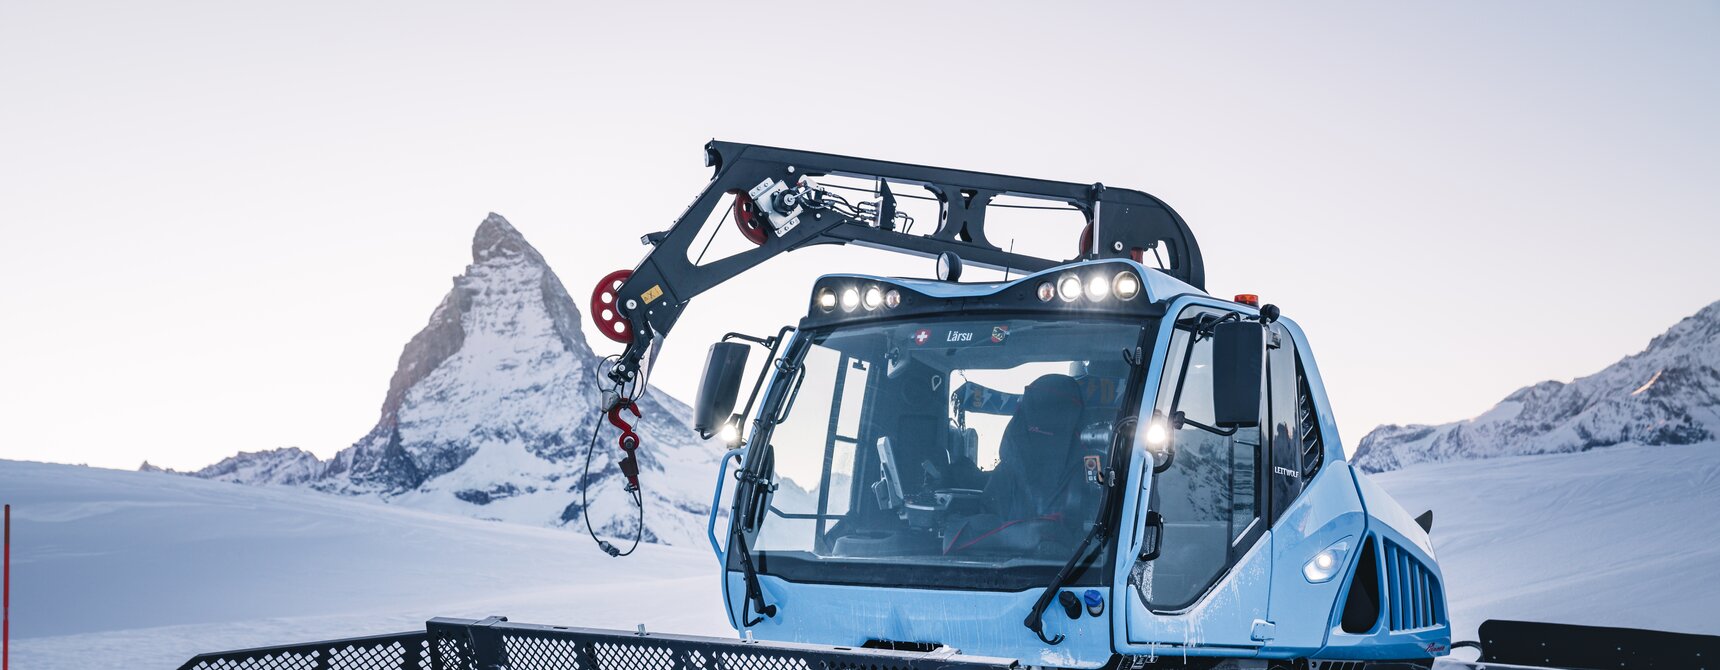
<point x="489" y="412"/>
<point x="1667" y="394"/>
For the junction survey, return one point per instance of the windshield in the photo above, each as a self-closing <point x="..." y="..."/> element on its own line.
<point x="953" y="452"/>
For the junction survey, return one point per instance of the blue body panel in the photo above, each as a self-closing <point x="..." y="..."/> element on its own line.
<point x="976" y="622"/>
<point x="1327" y="512"/>
<point x="1263" y="607"/>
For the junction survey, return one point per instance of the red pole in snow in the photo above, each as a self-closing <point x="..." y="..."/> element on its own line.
<point x="6" y="597"/>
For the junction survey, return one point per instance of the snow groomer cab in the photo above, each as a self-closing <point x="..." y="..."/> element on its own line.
<point x="1093" y="464"/>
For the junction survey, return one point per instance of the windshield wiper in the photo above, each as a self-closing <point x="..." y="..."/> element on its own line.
<point x="1035" y="620"/>
<point x="755" y="594"/>
<point x="1036" y="617"/>
<point x="758" y="485"/>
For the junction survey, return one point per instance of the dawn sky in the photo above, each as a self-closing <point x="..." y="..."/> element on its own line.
<point x="222" y="221"/>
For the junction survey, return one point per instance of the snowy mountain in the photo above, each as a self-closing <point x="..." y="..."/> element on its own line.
<point x="286" y="466"/>
<point x="1667" y="394"/>
<point x="490" y="410"/>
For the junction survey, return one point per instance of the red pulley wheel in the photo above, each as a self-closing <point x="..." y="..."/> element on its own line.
<point x="1086" y="241"/>
<point x="748" y="218"/>
<point x="605" y="308"/>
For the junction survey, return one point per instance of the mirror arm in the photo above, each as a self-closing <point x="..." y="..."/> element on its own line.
<point x="766" y="342"/>
<point x="774" y="344"/>
<point x="1182" y="375"/>
<point x="1221" y="432"/>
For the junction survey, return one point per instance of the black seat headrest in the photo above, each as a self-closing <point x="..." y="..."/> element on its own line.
<point x="1046" y="421"/>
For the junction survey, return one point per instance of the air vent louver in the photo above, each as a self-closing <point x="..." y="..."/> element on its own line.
<point x="1413" y="596"/>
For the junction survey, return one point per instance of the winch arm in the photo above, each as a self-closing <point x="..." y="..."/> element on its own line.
<point x="780" y="207"/>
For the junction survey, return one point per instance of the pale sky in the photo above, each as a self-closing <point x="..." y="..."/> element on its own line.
<point x="221" y="221"/>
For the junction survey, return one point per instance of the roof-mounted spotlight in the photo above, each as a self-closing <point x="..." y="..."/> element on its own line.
<point x="1069" y="288"/>
<point x="949" y="266"/>
<point x="872" y="298"/>
<point x="1126" y="286"/>
<point x="1098" y="288"/>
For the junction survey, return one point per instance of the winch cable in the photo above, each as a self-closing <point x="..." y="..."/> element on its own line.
<point x="727" y="211"/>
<point x="585" y="476"/>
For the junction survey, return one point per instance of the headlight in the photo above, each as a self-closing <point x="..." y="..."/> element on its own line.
<point x="826" y="299"/>
<point x="1047" y="291"/>
<point x="1098" y="288"/>
<point x="1126" y="285"/>
<point x="1326" y="564"/>
<point x="1157" y="433"/>
<point x="874" y="297"/>
<point x="850" y="299"/>
<point x="892" y="298"/>
<point x="1069" y="288"/>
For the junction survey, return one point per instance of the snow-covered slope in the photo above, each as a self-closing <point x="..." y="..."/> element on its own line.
<point x="1667" y="394"/>
<point x="1612" y="537"/>
<point x="490" y="410"/>
<point x="131" y="570"/>
<point x="116" y="569"/>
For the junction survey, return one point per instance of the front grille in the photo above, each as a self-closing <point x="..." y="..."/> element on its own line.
<point x="459" y="644"/>
<point x="1413" y="597"/>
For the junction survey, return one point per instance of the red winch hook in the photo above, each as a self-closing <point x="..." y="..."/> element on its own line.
<point x="629" y="441"/>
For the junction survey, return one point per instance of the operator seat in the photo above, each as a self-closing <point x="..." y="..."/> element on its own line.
<point x="1029" y="498"/>
<point x="1035" y="456"/>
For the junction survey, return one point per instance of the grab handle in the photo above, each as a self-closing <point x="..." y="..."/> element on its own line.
<point x="716" y="499"/>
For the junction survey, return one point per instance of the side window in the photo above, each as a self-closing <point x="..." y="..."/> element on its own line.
<point x="1210" y="496"/>
<point x="815" y="487"/>
<point x="1285" y="389"/>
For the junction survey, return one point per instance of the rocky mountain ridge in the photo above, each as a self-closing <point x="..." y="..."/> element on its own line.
<point x="1669" y="393"/>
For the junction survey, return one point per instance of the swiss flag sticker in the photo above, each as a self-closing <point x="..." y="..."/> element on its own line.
<point x="921" y="336"/>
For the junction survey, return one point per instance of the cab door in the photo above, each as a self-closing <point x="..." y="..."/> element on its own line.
<point x="1210" y="583"/>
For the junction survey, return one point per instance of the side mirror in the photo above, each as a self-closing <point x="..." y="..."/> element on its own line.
<point x="724" y="366"/>
<point x="1238" y="370"/>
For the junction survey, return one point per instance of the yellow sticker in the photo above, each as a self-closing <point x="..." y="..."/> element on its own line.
<point x="652" y="293"/>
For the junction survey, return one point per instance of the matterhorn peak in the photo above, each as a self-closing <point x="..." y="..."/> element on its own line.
<point x="490" y="411"/>
<point x="498" y="238"/>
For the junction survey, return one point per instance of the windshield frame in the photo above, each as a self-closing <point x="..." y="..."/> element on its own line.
<point x="906" y="572"/>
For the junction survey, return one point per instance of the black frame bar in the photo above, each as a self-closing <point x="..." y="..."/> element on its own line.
<point x="1124" y="223"/>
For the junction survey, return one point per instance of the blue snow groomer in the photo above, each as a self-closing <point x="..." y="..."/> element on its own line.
<point x="1092" y="463"/>
<point x="1089" y="463"/>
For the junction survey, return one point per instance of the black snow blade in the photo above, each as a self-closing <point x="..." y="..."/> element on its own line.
<point x="464" y="644"/>
<point x="1569" y="647"/>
